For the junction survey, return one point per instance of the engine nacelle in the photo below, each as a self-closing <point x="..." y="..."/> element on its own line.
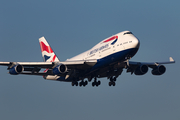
<point x="141" y="70"/>
<point x="159" y="70"/>
<point x="60" y="69"/>
<point x="15" y="70"/>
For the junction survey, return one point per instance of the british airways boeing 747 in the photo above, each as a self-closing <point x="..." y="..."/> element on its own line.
<point x="106" y="59"/>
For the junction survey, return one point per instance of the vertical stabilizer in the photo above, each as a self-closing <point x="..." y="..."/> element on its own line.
<point x="47" y="53"/>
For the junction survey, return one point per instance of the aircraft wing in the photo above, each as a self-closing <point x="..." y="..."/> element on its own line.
<point x="33" y="68"/>
<point x="138" y="66"/>
<point x="152" y="64"/>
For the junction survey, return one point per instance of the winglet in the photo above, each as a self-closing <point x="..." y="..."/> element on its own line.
<point x="171" y="59"/>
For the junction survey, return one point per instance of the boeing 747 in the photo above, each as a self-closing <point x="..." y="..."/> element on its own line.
<point x="106" y="59"/>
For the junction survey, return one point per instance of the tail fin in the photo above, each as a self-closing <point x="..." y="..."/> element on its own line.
<point x="47" y="53"/>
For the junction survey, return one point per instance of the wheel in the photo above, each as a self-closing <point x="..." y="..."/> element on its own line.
<point x="109" y="83"/>
<point x="80" y="84"/>
<point x="99" y="82"/>
<point x="86" y="82"/>
<point x="93" y="84"/>
<point x="72" y="83"/>
<point x="111" y="79"/>
<point x="114" y="83"/>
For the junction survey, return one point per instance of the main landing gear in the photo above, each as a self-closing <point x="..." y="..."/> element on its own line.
<point x="82" y="83"/>
<point x="95" y="82"/>
<point x="112" y="81"/>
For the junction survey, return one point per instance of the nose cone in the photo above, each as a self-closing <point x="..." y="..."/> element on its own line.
<point x="136" y="42"/>
<point x="134" y="46"/>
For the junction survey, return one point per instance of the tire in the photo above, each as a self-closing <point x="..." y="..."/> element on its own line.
<point x="109" y="83"/>
<point x="86" y="82"/>
<point x="93" y="84"/>
<point x="76" y="83"/>
<point x="80" y="84"/>
<point x="99" y="82"/>
<point x="114" y="83"/>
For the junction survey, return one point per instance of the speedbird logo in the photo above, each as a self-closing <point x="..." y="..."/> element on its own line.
<point x="114" y="39"/>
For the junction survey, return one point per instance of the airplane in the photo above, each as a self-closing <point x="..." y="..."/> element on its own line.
<point x="106" y="59"/>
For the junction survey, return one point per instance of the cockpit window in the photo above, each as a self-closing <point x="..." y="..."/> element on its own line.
<point x="128" y="33"/>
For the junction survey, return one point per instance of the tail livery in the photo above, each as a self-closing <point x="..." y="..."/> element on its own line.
<point x="47" y="53"/>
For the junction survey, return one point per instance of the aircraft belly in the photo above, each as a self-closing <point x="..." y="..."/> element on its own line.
<point x="115" y="57"/>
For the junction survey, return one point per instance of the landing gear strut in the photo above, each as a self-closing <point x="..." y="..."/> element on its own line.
<point x="97" y="83"/>
<point x="112" y="81"/>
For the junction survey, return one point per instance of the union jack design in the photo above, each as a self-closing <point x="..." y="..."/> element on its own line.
<point x="47" y="53"/>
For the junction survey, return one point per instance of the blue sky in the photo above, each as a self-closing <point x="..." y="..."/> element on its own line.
<point x="71" y="27"/>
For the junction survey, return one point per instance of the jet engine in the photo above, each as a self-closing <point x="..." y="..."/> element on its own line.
<point x="141" y="70"/>
<point x="15" y="70"/>
<point x="159" y="70"/>
<point x="60" y="69"/>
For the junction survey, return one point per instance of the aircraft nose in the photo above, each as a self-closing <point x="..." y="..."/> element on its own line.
<point x="136" y="42"/>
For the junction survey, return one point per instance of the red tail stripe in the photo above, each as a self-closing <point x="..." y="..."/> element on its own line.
<point x="45" y="48"/>
<point x="54" y="57"/>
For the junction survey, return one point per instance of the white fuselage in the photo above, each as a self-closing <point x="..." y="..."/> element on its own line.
<point x="106" y="48"/>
